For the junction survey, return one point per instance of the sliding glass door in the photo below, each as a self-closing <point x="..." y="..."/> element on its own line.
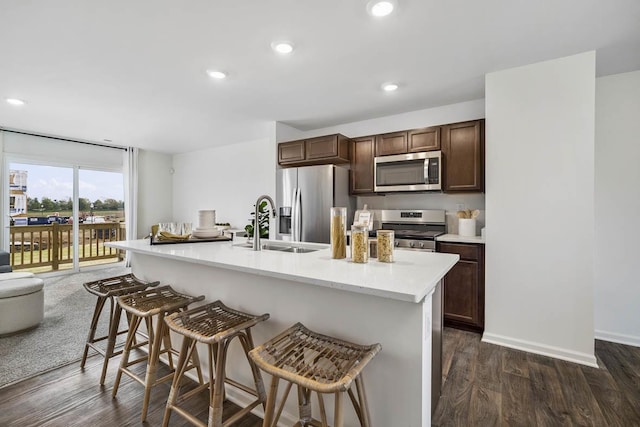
<point x="62" y="216"/>
<point x="40" y="211"/>
<point x="100" y="216"/>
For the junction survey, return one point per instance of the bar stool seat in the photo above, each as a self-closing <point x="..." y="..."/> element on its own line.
<point x="157" y="302"/>
<point x="215" y="325"/>
<point x="315" y="363"/>
<point x="107" y="289"/>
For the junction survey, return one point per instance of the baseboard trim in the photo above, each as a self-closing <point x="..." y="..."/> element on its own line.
<point x="618" y="338"/>
<point x="542" y="349"/>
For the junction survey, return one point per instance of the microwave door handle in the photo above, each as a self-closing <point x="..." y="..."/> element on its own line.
<point x="426" y="171"/>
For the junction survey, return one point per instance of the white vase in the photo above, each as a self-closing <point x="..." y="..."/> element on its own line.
<point x="467" y="227"/>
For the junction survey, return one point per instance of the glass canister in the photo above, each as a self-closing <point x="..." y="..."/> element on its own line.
<point x="359" y="243"/>
<point x="385" y="245"/>
<point x="338" y="233"/>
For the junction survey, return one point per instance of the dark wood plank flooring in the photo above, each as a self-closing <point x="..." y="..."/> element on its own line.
<point x="70" y="397"/>
<point x="483" y="385"/>
<point x="489" y="385"/>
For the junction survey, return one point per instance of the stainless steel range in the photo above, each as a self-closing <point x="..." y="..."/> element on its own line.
<point x="413" y="229"/>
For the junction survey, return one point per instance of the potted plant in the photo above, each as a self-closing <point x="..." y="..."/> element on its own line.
<point x="263" y="222"/>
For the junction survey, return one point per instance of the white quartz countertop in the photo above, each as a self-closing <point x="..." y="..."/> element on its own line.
<point x="411" y="276"/>
<point x="455" y="238"/>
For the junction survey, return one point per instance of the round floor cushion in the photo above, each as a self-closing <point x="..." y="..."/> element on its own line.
<point x="21" y="303"/>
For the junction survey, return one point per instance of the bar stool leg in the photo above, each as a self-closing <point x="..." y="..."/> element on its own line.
<point x="135" y="323"/>
<point x="183" y="361"/>
<point x="215" y="408"/>
<point x="92" y="329"/>
<point x="114" y="323"/>
<point x="270" y="408"/>
<point x="247" y="344"/>
<point x="152" y="365"/>
<point x="364" y="406"/>
<point x="166" y="338"/>
<point x="337" y="413"/>
<point x="323" y="411"/>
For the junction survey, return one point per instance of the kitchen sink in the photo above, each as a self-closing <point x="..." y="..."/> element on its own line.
<point x="280" y="248"/>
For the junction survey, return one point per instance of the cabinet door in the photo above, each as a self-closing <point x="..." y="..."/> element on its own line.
<point x="291" y="152"/>
<point x="391" y="143"/>
<point x="461" y="293"/>
<point x="425" y="139"/>
<point x="463" y="152"/>
<point x="362" y="165"/>
<point x="322" y="147"/>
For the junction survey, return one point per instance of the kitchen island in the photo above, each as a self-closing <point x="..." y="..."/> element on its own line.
<point x="364" y="303"/>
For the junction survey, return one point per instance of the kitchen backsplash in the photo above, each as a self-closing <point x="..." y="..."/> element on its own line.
<point x="451" y="203"/>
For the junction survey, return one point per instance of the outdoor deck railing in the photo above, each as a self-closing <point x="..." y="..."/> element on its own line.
<point x="34" y="246"/>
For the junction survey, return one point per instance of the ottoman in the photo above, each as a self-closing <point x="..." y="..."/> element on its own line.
<point x="21" y="302"/>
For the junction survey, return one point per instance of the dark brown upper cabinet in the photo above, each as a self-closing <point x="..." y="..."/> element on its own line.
<point x="463" y="156"/>
<point x="425" y="139"/>
<point x="330" y="149"/>
<point x="391" y="143"/>
<point x="291" y="152"/>
<point x="362" y="153"/>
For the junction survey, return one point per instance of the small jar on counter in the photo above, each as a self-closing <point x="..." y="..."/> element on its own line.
<point x="385" y="245"/>
<point x="359" y="243"/>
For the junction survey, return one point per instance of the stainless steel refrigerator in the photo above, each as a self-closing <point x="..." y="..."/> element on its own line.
<point x="304" y="198"/>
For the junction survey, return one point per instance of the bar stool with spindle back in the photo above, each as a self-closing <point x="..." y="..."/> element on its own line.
<point x="315" y="363"/>
<point x="107" y="289"/>
<point x="215" y="325"/>
<point x="159" y="302"/>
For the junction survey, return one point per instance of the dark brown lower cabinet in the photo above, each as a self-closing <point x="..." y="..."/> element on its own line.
<point x="464" y="287"/>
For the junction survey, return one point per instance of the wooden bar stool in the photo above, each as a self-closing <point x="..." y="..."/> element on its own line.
<point x="107" y="289"/>
<point x="158" y="302"/>
<point x="216" y="326"/>
<point x="314" y="362"/>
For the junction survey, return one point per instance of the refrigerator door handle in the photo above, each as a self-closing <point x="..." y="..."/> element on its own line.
<point x="299" y="213"/>
<point x="294" y="214"/>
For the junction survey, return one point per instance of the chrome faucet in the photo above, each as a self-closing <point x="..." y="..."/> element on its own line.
<point x="256" y="227"/>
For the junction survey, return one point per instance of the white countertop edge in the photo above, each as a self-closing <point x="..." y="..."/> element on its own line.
<point x="455" y="238"/>
<point x="400" y="296"/>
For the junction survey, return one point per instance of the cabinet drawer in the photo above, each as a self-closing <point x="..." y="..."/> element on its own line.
<point x="466" y="251"/>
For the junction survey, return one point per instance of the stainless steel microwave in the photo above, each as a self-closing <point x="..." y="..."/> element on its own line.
<point x="408" y="172"/>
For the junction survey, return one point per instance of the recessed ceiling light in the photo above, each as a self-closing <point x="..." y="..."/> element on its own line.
<point x="380" y="8"/>
<point x="14" y="101"/>
<point x="216" y="74"/>
<point x="389" y="87"/>
<point x="282" y="47"/>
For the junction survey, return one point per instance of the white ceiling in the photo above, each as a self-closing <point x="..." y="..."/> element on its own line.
<point x="134" y="71"/>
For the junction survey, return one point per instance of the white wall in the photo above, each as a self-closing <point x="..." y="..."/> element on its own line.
<point x="155" y="190"/>
<point x="228" y="179"/>
<point x="617" y="207"/>
<point x="540" y="198"/>
<point x="463" y="111"/>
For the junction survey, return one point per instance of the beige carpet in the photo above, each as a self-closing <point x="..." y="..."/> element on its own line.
<point x="61" y="336"/>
